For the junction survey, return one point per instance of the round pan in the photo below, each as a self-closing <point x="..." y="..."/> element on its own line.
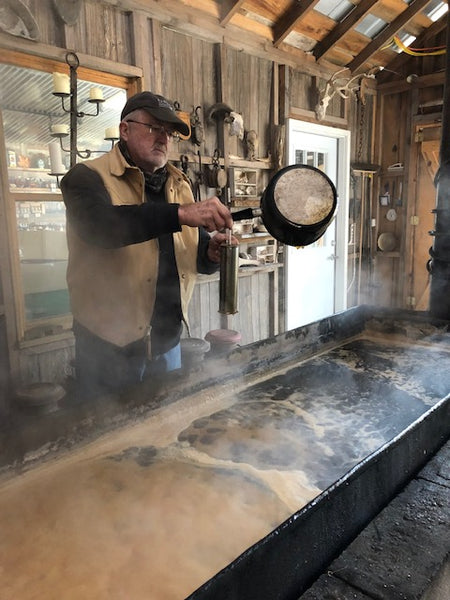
<point x="297" y="206"/>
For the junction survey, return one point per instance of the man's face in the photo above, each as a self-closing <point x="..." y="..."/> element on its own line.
<point x="148" y="149"/>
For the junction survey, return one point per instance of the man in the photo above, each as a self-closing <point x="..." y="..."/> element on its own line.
<point x="136" y="241"/>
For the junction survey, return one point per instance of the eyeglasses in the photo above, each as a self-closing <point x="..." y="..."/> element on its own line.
<point x="157" y="129"/>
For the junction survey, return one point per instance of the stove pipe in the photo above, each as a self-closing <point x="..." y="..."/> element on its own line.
<point x="439" y="264"/>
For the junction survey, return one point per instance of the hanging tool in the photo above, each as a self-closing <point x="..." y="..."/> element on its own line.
<point x="184" y="116"/>
<point x="198" y="179"/>
<point x="184" y="160"/>
<point x="217" y="175"/>
<point x="197" y="132"/>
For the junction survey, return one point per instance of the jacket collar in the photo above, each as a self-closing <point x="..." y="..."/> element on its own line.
<point x="118" y="165"/>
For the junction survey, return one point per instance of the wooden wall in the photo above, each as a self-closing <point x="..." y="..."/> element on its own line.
<point x="197" y="65"/>
<point x="406" y="119"/>
<point x="256" y="318"/>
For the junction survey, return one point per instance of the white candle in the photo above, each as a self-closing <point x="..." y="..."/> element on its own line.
<point x="56" y="164"/>
<point x="95" y="93"/>
<point x="60" y="129"/>
<point x="61" y="83"/>
<point x="112" y="133"/>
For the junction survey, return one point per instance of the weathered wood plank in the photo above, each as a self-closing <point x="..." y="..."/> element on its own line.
<point x="286" y="23"/>
<point x="140" y="42"/>
<point x="228" y="9"/>
<point x="31" y="54"/>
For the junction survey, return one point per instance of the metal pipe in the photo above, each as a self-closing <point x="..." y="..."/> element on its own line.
<point x="73" y="62"/>
<point x="439" y="265"/>
<point x="228" y="285"/>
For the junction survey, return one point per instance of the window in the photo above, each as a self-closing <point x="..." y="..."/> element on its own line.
<point x="371" y="26"/>
<point x="28" y="110"/>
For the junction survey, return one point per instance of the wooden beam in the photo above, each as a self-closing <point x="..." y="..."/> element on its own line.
<point x="220" y="65"/>
<point x="401" y="85"/>
<point x="289" y="19"/>
<point x="229" y="8"/>
<point x="140" y="42"/>
<point x="351" y="20"/>
<point x="283" y="90"/>
<point x="401" y="59"/>
<point x="53" y="53"/>
<point x="309" y="115"/>
<point x="156" y="66"/>
<point x="387" y="34"/>
<point x="9" y="266"/>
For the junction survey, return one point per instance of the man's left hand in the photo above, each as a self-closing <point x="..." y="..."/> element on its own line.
<point x="214" y="245"/>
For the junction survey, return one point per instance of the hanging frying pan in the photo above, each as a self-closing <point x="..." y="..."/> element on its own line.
<point x="297" y="206"/>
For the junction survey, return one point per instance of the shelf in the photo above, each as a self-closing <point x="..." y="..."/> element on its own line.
<point x="41" y="195"/>
<point x="395" y="173"/>
<point x="31" y="181"/>
<point x="243" y="184"/>
<point x="242" y="202"/>
<point x="388" y="254"/>
<point x="262" y="163"/>
<point x="243" y="271"/>
<point x="28" y="169"/>
<point x="254" y="237"/>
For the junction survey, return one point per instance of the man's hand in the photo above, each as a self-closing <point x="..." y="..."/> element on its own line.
<point x="215" y="243"/>
<point x="211" y="214"/>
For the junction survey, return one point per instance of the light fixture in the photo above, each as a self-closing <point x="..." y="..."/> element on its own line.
<point x="65" y="87"/>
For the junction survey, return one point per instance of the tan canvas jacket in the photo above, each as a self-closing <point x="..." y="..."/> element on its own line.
<point x="112" y="291"/>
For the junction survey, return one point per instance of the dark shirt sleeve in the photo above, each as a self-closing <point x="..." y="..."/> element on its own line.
<point x="99" y="222"/>
<point x="204" y="265"/>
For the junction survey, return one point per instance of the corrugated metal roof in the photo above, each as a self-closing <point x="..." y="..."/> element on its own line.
<point x="29" y="108"/>
<point x="334" y="9"/>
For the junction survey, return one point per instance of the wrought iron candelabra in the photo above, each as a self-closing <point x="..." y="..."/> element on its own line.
<point x="65" y="87"/>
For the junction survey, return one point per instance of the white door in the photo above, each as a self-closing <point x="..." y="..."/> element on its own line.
<point x="316" y="274"/>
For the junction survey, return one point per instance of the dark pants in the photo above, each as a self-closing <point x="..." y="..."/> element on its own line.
<point x="102" y="367"/>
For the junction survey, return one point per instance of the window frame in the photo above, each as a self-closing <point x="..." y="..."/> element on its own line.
<point x="20" y="332"/>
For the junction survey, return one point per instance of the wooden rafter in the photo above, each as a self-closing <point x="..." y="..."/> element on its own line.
<point x="401" y="59"/>
<point x="350" y="21"/>
<point x="283" y="27"/>
<point x="387" y="34"/>
<point x="228" y="9"/>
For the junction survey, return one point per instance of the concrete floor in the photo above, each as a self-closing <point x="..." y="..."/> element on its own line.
<point x="404" y="553"/>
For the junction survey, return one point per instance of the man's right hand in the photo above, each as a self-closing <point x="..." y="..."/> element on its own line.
<point x="211" y="214"/>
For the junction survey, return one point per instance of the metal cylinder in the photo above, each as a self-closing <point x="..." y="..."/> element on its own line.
<point x="228" y="288"/>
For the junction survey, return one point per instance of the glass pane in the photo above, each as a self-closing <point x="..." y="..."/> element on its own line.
<point x="321" y="161"/>
<point x="29" y="110"/>
<point x="43" y="258"/>
<point x="299" y="157"/>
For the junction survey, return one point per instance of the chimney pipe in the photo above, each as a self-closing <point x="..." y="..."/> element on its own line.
<point x="439" y="264"/>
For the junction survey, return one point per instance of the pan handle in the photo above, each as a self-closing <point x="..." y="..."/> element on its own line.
<point x="246" y="213"/>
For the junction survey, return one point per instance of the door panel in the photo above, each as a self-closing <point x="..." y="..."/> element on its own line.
<point x="425" y="202"/>
<point x="310" y="270"/>
<point x="312" y="289"/>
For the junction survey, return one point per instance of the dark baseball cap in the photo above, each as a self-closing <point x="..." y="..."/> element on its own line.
<point x="158" y="107"/>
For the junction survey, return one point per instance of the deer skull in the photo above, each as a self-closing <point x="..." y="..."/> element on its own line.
<point x="344" y="86"/>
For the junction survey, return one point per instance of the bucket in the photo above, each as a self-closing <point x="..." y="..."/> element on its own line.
<point x="222" y="341"/>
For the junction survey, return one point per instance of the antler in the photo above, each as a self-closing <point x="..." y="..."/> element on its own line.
<point x="344" y="86"/>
